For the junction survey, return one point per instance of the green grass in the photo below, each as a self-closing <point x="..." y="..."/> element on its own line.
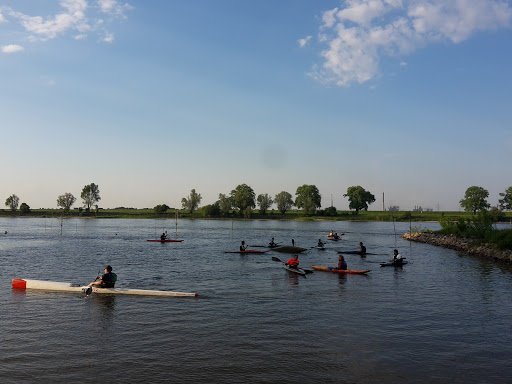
<point x="126" y="213"/>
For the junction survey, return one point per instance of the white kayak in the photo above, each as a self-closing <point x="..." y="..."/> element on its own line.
<point x="69" y="287"/>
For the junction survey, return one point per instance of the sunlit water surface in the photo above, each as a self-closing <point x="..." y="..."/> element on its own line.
<point x="444" y="317"/>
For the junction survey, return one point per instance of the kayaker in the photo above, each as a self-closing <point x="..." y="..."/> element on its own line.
<point x="272" y="244"/>
<point x="243" y="247"/>
<point x="362" y="248"/>
<point x="163" y="236"/>
<point x="293" y="262"/>
<point x="336" y="237"/>
<point x="342" y="264"/>
<point x="107" y="280"/>
<point x="320" y="243"/>
<point x="397" y="258"/>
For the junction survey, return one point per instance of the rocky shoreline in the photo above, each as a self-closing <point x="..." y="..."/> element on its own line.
<point x="458" y="243"/>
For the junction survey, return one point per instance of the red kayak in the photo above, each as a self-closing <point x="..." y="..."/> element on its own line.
<point x="246" y="251"/>
<point x="166" y="241"/>
<point x="335" y="270"/>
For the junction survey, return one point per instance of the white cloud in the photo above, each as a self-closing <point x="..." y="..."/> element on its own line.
<point x="360" y="33"/>
<point x="73" y="17"/>
<point x="304" y="42"/>
<point x="76" y="18"/>
<point x="109" y="38"/>
<point x="114" y="7"/>
<point x="2" y="18"/>
<point x="12" y="48"/>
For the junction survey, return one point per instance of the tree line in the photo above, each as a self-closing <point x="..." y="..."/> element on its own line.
<point x="244" y="200"/>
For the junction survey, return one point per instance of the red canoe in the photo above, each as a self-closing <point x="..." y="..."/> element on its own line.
<point x="335" y="270"/>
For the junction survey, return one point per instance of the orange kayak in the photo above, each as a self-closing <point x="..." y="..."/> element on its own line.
<point x="335" y="270"/>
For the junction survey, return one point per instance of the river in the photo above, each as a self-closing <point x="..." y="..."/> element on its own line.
<point x="443" y="317"/>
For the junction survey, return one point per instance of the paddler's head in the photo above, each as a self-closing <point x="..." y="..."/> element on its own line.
<point x="108" y="268"/>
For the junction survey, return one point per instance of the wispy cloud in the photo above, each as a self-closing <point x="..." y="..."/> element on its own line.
<point x="12" y="48"/>
<point x="114" y="7"/>
<point x="77" y="18"/>
<point x="361" y="32"/>
<point x="303" y="42"/>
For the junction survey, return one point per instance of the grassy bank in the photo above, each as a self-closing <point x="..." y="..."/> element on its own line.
<point x="124" y="213"/>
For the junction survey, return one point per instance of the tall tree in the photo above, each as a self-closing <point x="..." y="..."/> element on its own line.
<point x="284" y="201"/>
<point x="66" y="201"/>
<point x="90" y="195"/>
<point x="475" y="199"/>
<point x="308" y="198"/>
<point x="192" y="201"/>
<point x="243" y="197"/>
<point x="12" y="202"/>
<point x="161" y="208"/>
<point x="359" y="198"/>
<point x="265" y="202"/>
<point x="24" y="208"/>
<point x="225" y="204"/>
<point x="506" y="202"/>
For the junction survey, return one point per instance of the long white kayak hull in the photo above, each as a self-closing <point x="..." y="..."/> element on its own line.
<point x="69" y="287"/>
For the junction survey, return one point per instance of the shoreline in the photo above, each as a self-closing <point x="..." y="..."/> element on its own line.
<point x="469" y="246"/>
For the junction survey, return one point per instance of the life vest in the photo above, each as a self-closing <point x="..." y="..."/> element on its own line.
<point x="109" y="281"/>
<point x="293" y="262"/>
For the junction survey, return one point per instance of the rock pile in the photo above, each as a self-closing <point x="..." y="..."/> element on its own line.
<point x="459" y="243"/>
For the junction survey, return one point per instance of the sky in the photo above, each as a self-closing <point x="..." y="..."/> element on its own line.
<point x="410" y="99"/>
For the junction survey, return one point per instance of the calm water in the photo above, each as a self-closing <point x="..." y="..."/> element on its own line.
<point x="445" y="317"/>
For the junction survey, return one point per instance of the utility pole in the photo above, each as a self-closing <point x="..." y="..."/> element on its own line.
<point x="383" y="209"/>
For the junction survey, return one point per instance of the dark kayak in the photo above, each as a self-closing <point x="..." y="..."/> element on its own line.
<point x="297" y="271"/>
<point x="393" y="264"/>
<point x="357" y="253"/>
<point x="246" y="251"/>
<point x="289" y="249"/>
<point x="166" y="241"/>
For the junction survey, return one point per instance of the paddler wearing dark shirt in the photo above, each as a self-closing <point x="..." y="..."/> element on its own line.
<point x="107" y="280"/>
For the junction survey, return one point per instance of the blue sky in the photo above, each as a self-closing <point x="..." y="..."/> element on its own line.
<point x="149" y="99"/>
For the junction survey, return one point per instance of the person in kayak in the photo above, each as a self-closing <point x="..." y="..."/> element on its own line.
<point x="163" y="236"/>
<point x="362" y="248"/>
<point x="243" y="247"/>
<point x="397" y="258"/>
<point x="107" y="280"/>
<point x="320" y="243"/>
<point x="342" y="264"/>
<point x="336" y="237"/>
<point x="272" y="244"/>
<point x="293" y="262"/>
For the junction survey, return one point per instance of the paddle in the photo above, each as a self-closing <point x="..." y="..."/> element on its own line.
<point x="280" y="261"/>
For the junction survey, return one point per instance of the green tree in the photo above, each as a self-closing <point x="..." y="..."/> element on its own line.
<point x="506" y="202"/>
<point x="284" y="201"/>
<point x="308" y="198"/>
<point x="192" y="201"/>
<point x="90" y="195"/>
<point x="212" y="210"/>
<point x="12" y="202"/>
<point x="24" y="208"/>
<point x="359" y="198"/>
<point x="243" y="197"/>
<point x="265" y="202"/>
<point x="160" y="208"/>
<point x="475" y="199"/>
<point x="225" y="204"/>
<point x="66" y="201"/>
